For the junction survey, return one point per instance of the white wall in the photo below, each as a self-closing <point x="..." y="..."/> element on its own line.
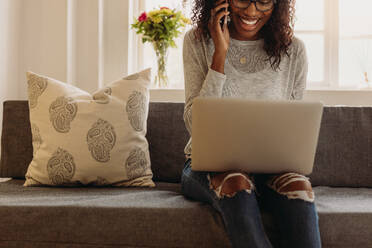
<point x="9" y="48"/>
<point x="82" y="42"/>
<point x="43" y="40"/>
<point x="115" y="39"/>
<point x="9" y="51"/>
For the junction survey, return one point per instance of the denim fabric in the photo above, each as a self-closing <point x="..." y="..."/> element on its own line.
<point x="296" y="219"/>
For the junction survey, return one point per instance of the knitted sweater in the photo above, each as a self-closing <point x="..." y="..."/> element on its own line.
<point x="248" y="73"/>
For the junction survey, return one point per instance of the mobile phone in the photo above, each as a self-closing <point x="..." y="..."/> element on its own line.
<point x="223" y="20"/>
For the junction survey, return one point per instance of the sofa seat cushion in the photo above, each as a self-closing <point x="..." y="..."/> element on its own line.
<point x="345" y="216"/>
<point x="155" y="217"/>
<point x="115" y="217"/>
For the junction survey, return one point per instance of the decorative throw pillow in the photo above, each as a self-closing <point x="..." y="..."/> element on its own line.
<point x="89" y="139"/>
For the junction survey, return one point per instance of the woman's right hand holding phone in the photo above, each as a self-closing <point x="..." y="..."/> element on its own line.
<point x="219" y="34"/>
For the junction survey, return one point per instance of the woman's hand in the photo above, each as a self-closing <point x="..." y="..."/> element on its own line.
<point x="220" y="35"/>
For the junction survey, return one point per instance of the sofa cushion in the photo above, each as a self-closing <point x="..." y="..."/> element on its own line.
<point x="90" y="139"/>
<point x="167" y="136"/>
<point x="116" y="217"/>
<point x="156" y="217"/>
<point x="344" y="152"/>
<point x="345" y="216"/>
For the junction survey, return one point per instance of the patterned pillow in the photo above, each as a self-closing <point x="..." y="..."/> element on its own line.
<point x="89" y="139"/>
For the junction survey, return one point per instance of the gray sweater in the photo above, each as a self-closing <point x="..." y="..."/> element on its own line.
<point x="247" y="74"/>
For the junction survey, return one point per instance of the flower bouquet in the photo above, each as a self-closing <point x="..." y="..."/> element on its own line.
<point x="160" y="27"/>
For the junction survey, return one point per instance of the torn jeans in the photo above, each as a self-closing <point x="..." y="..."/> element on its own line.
<point x="296" y="219"/>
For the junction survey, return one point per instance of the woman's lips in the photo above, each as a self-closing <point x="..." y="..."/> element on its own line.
<point x="249" y="24"/>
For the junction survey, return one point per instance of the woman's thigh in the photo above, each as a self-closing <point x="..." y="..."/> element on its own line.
<point x="195" y="184"/>
<point x="210" y="186"/>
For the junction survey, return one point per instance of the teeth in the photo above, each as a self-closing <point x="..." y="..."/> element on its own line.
<point x="249" y="22"/>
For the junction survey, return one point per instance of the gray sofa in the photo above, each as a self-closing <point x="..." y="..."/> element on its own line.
<point x="162" y="216"/>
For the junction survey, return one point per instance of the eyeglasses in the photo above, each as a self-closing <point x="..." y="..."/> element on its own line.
<point x="261" y="5"/>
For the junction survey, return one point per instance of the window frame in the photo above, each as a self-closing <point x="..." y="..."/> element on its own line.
<point x="331" y="47"/>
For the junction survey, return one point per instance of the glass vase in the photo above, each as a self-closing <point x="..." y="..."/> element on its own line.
<point x="161" y="51"/>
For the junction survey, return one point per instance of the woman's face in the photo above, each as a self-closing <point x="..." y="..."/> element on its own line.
<point x="247" y="22"/>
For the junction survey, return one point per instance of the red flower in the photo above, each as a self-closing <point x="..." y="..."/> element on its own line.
<point x="142" y="17"/>
<point x="164" y="8"/>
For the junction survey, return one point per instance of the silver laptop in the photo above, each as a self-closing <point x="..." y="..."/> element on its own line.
<point x="257" y="136"/>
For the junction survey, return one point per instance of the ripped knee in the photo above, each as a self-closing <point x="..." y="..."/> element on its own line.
<point x="229" y="183"/>
<point x="292" y="185"/>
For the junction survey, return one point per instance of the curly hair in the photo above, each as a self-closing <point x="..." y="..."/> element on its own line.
<point x="277" y="33"/>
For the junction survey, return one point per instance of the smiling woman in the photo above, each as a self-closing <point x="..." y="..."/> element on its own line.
<point x="254" y="56"/>
<point x="250" y="24"/>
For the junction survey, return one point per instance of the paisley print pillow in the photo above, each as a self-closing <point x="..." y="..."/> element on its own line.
<point x="89" y="139"/>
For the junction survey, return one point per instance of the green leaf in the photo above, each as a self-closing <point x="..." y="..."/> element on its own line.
<point x="173" y="44"/>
